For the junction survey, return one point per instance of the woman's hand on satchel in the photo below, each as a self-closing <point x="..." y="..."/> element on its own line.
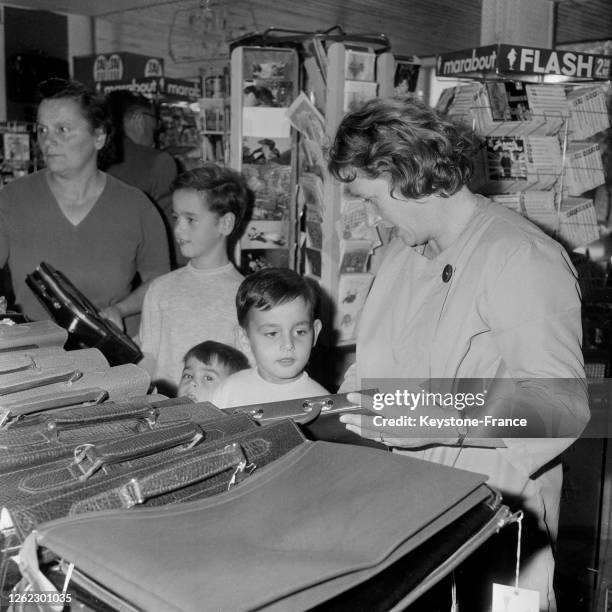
<point x="390" y="435"/>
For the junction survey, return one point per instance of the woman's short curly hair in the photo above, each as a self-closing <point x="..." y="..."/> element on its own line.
<point x="420" y="151"/>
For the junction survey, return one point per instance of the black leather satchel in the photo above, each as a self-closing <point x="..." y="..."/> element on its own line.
<point x="35" y="438"/>
<point x="337" y="526"/>
<point x="24" y="394"/>
<point x="156" y="467"/>
<point x="70" y="309"/>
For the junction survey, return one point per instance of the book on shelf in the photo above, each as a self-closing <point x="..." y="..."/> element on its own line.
<point x="548" y="103"/>
<point x="583" y="167"/>
<point x="588" y="112"/>
<point x="528" y="203"/>
<point x="518" y="163"/>
<point x="505" y="108"/>
<point x="460" y="102"/>
<point x="544" y="159"/>
<point x="577" y="222"/>
<point x="574" y="223"/>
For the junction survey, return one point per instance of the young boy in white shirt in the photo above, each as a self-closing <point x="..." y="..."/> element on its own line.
<point x="195" y="302"/>
<point x="206" y="365"/>
<point x="275" y="309"/>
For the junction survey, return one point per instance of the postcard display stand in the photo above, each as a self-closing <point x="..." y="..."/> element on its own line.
<point x="264" y="83"/>
<point x="539" y="148"/>
<point x="338" y="240"/>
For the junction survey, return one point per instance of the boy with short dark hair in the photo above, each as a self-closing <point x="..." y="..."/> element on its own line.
<point x="276" y="314"/>
<point x="195" y="302"/>
<point x="206" y="365"/>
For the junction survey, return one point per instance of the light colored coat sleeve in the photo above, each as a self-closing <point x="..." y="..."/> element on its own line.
<point x="539" y="341"/>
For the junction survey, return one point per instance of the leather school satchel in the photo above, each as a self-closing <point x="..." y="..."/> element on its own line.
<point x="32" y="335"/>
<point x="74" y="312"/>
<point x="25" y="393"/>
<point x="39" y="437"/>
<point x="37" y="361"/>
<point x="321" y="520"/>
<point x="162" y="466"/>
<point x="156" y="467"/>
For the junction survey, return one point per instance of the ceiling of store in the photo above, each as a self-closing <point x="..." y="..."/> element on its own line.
<point x="577" y="20"/>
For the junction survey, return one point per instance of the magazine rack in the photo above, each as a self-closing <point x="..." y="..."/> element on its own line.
<point x="539" y="149"/>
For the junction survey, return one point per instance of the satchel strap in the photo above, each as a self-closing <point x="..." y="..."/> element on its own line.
<point x="14" y="383"/>
<point x="171" y="478"/>
<point x="10" y="415"/>
<point x="10" y="364"/>
<point x="89" y="458"/>
<point x="103" y="414"/>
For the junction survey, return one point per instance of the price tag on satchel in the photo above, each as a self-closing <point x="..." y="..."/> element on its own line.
<point x="512" y="598"/>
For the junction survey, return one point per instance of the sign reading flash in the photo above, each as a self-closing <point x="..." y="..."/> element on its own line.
<point x="547" y="61"/>
<point x="504" y="59"/>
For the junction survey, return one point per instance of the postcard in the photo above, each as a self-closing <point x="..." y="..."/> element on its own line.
<point x="265" y="122"/>
<point x="313" y="262"/>
<point x="271" y="184"/>
<point x="406" y="76"/>
<point x="352" y="292"/>
<point x="356" y="93"/>
<point x="314" y="235"/>
<point x="305" y="118"/>
<point x="354" y="256"/>
<point x="260" y="234"/>
<point x="257" y="150"/>
<point x="506" y="158"/>
<point x="359" y="65"/>
<point x="254" y="260"/>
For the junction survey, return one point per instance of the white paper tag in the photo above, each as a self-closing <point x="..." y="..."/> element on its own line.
<point x="512" y="599"/>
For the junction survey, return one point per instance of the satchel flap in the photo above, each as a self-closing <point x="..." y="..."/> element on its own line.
<point x="321" y="512"/>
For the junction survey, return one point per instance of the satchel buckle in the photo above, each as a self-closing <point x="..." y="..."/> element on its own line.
<point x="85" y="460"/>
<point x="130" y="493"/>
<point x="151" y="417"/>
